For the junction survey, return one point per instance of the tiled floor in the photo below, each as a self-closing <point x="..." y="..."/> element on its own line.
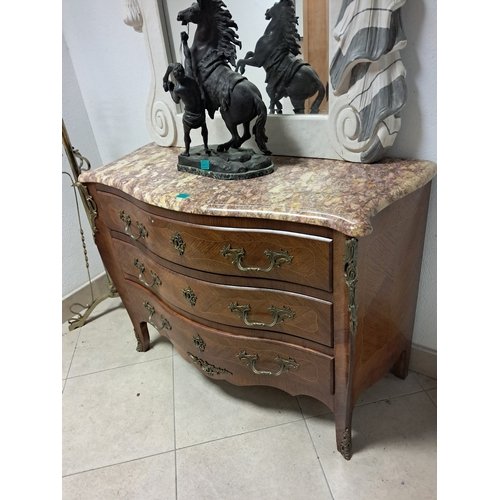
<point x="150" y="426"/>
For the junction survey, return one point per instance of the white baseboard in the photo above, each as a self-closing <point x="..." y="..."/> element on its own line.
<point x="423" y="360"/>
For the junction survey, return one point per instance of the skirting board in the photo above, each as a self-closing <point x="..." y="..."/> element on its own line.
<point x="422" y="360"/>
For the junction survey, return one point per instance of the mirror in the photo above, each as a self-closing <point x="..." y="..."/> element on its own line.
<point x="290" y="76"/>
<point x="361" y="42"/>
<point x="312" y="28"/>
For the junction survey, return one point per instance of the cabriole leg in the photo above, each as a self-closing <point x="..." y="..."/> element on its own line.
<point x="400" y="368"/>
<point x="343" y="425"/>
<point x="142" y="335"/>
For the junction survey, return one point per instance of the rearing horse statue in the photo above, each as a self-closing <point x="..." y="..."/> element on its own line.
<point x="286" y="74"/>
<point x="212" y="51"/>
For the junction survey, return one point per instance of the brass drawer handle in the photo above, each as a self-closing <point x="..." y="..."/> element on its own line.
<point x="164" y="323"/>
<point x="177" y="243"/>
<point x="284" y="364"/>
<point x="279" y="315"/>
<point x="156" y="279"/>
<point x="142" y="230"/>
<point x="275" y="258"/>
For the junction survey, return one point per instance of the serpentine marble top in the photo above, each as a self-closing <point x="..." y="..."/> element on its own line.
<point x="333" y="193"/>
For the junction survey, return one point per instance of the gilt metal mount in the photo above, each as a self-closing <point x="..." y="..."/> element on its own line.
<point x="209" y="369"/>
<point x="178" y="244"/>
<point x="143" y="233"/>
<point x="275" y="258"/>
<point x="284" y="364"/>
<point x="164" y="323"/>
<point x="198" y="342"/>
<point x="351" y="279"/>
<point x="156" y="280"/>
<point x="189" y="296"/>
<point x="345" y="447"/>
<point x="279" y="315"/>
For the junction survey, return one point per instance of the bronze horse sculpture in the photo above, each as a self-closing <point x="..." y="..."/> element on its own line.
<point x="286" y="74"/>
<point x="212" y="51"/>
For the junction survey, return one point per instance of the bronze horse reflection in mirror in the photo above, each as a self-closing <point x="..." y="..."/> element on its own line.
<point x="277" y="51"/>
<point x="212" y="51"/>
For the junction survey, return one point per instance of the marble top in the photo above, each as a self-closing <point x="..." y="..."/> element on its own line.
<point x="337" y="194"/>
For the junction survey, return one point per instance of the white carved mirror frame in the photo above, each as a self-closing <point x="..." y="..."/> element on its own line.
<point x="367" y="86"/>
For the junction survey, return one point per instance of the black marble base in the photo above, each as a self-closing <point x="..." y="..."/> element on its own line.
<point x="229" y="165"/>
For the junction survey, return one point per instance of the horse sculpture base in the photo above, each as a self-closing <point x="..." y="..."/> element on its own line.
<point x="234" y="164"/>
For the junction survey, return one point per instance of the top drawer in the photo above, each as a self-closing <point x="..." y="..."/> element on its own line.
<point x="258" y="253"/>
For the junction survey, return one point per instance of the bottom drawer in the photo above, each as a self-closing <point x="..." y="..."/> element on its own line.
<point x="239" y="359"/>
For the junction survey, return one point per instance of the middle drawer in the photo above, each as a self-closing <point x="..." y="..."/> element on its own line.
<point x="246" y="307"/>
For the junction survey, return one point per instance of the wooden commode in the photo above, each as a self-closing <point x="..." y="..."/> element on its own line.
<point x="305" y="279"/>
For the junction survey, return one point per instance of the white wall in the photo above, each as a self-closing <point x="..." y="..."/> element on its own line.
<point x="112" y="68"/>
<point x="106" y="75"/>
<point x="74" y="271"/>
<point x="418" y="139"/>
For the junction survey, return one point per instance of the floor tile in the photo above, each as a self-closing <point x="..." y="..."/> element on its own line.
<point x="312" y="407"/>
<point x="389" y="387"/>
<point x="426" y="382"/>
<point x="207" y="409"/>
<point x="233" y="441"/>
<point x="279" y="462"/>
<point x="394" y="451"/>
<point x="69" y="340"/>
<point x="117" y="415"/>
<point x="108" y="341"/>
<point x="433" y="394"/>
<point x="151" y="478"/>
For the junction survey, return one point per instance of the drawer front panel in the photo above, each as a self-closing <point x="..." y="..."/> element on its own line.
<point x="277" y="255"/>
<point x="253" y="308"/>
<point x="239" y="359"/>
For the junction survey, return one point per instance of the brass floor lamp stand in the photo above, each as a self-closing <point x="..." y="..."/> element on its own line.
<point x="77" y="162"/>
